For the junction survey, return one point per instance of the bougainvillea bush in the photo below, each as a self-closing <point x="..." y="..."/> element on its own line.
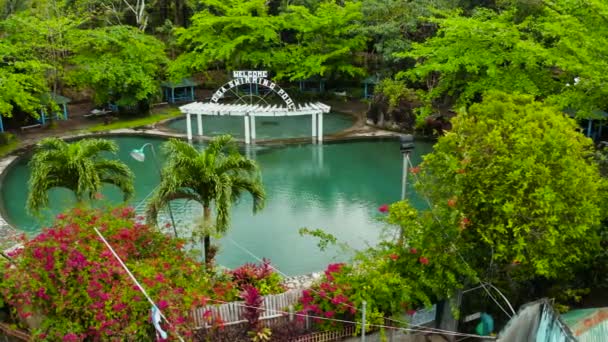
<point x="69" y="279"/>
<point x="397" y="276"/>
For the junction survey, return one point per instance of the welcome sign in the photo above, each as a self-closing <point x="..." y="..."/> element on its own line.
<point x="259" y="77"/>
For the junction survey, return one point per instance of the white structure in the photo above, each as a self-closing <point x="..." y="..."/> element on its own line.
<point x="250" y="111"/>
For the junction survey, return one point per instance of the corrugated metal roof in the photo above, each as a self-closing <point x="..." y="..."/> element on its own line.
<point x="588" y="325"/>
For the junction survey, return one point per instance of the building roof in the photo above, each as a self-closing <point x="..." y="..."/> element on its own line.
<point x="186" y="82"/>
<point x="588" y="324"/>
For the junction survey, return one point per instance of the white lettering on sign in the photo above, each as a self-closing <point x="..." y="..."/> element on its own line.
<point x="250" y="73"/>
<point x="253" y="77"/>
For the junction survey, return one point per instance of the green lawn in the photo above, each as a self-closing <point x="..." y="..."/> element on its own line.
<point x="136" y="122"/>
<point x="8" y="148"/>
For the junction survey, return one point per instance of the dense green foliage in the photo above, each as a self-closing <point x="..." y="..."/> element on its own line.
<point x="516" y="190"/>
<point x="79" y="166"/>
<point x="119" y="63"/>
<point x="215" y="177"/>
<point x="550" y="50"/>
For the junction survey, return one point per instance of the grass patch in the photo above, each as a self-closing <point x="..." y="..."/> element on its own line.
<point x="9" y="147"/>
<point x="136" y="122"/>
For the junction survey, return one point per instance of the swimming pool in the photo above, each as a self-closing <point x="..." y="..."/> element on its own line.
<point x="337" y="187"/>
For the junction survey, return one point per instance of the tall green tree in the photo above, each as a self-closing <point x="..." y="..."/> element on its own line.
<point x="79" y="166"/>
<point x="297" y="42"/>
<point x="22" y="81"/>
<point x="553" y="50"/>
<point x="233" y="33"/>
<point x="327" y="42"/>
<point x="119" y="63"/>
<point x="214" y="177"/>
<point x="518" y="189"/>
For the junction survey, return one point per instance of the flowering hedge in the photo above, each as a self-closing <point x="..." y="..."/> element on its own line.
<point x="69" y="278"/>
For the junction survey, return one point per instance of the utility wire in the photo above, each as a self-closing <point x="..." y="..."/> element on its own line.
<point x="317" y="292"/>
<point x="447" y="332"/>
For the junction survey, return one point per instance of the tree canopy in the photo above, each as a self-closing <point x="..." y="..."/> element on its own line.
<point x="517" y="186"/>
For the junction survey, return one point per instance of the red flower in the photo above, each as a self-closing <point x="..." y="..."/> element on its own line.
<point x="461" y="171"/>
<point x="464" y="223"/>
<point x="167" y="225"/>
<point x="415" y="169"/>
<point x="411" y="312"/>
<point x="452" y="202"/>
<point x="413" y="250"/>
<point x="98" y="196"/>
<point x="383" y="208"/>
<point x="393" y="256"/>
<point x="424" y="260"/>
<point x="60" y="216"/>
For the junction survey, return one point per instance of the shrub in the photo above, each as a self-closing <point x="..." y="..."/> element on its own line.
<point x="262" y="277"/>
<point x="68" y="277"/>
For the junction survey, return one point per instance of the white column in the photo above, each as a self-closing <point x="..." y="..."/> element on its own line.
<point x="247" y="137"/>
<point x="199" y="119"/>
<point x="320" y="127"/>
<point x="252" y="117"/>
<point x="188" y="127"/>
<point x="314" y="127"/>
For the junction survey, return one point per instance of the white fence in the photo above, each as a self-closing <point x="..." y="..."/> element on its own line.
<point x="274" y="306"/>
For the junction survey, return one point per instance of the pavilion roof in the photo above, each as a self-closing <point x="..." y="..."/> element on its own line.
<point x="211" y="108"/>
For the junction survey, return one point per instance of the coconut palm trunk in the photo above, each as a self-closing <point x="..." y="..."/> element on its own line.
<point x="216" y="177"/>
<point x="207" y="237"/>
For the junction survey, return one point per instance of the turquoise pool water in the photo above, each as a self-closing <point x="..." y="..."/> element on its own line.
<point x="337" y="187"/>
<point x="266" y="127"/>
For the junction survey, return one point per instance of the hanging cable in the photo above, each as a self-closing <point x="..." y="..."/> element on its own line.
<point x="317" y="292"/>
<point x="446" y="332"/>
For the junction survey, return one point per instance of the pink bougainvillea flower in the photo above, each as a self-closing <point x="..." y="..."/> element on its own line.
<point x="334" y="268"/>
<point x="329" y="314"/>
<point x="162" y="304"/>
<point x="60" y="216"/>
<point x="383" y="208"/>
<point x="167" y="225"/>
<point x="70" y="337"/>
<point x="424" y="260"/>
<point x="413" y="250"/>
<point x="393" y="256"/>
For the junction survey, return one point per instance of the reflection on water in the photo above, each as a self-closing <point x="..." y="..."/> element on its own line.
<point x="336" y="187"/>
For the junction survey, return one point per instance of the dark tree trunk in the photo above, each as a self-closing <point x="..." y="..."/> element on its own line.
<point x="207" y="238"/>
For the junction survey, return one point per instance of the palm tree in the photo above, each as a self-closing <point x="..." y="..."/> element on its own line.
<point x="78" y="166"/>
<point x="218" y="175"/>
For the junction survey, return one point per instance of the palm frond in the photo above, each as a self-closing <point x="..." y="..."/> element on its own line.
<point x="162" y="198"/>
<point x="223" y="144"/>
<point x="252" y="186"/>
<point x="91" y="148"/>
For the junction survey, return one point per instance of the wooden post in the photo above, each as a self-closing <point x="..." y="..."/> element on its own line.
<point x="363" y="321"/>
